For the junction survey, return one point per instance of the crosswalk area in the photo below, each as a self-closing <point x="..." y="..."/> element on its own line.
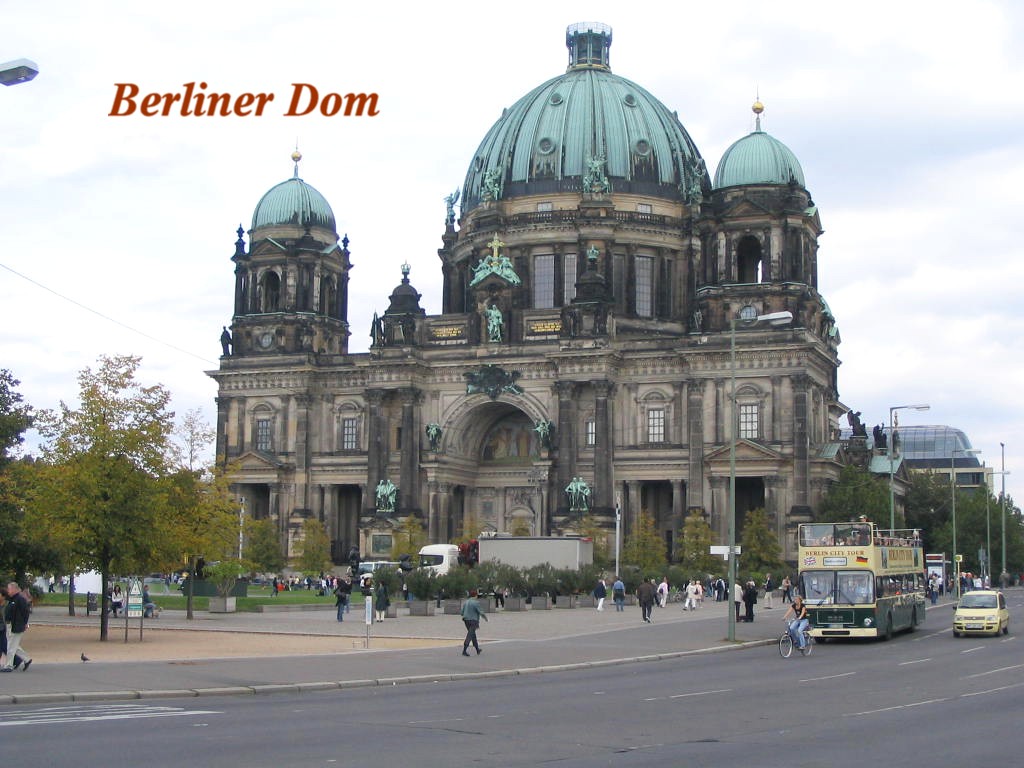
<point x="84" y="713"/>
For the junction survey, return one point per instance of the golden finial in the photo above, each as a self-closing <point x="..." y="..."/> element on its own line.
<point x="296" y="156"/>
<point x="758" y="107"/>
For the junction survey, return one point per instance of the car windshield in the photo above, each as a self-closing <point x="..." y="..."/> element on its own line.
<point x="426" y="560"/>
<point x="837" y="587"/>
<point x="978" y="601"/>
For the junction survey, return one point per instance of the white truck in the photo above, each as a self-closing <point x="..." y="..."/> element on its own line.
<point x="518" y="551"/>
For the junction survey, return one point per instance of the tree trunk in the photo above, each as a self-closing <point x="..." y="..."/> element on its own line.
<point x="104" y="598"/>
<point x="71" y="594"/>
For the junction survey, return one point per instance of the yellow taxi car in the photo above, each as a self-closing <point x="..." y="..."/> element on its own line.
<point x="981" y="612"/>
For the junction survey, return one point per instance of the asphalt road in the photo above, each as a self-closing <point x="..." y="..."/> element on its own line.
<point x="924" y="699"/>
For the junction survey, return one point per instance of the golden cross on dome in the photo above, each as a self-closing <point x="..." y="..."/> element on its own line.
<point x="494" y="245"/>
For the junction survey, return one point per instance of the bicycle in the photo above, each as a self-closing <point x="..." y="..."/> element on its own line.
<point x="786" y="644"/>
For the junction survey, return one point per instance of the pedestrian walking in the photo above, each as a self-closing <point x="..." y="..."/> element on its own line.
<point x="787" y="590"/>
<point x="769" y="587"/>
<point x="645" y="596"/>
<point x="16" y="613"/>
<point x="619" y="594"/>
<point x="600" y="593"/>
<point x="471" y="615"/>
<point x="690" y="604"/>
<point x="737" y="598"/>
<point x="663" y="592"/>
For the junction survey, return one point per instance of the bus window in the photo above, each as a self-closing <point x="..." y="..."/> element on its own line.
<point x="854" y="587"/>
<point x="820" y="535"/>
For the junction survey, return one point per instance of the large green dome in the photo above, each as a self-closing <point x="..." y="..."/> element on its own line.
<point x="758" y="159"/>
<point x="293" y="203"/>
<point x="551" y="138"/>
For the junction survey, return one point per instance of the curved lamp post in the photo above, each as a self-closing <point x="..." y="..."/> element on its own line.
<point x="892" y="439"/>
<point x="775" y="319"/>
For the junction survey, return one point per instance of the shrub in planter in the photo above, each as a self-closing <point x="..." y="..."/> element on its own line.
<point x="456" y="583"/>
<point x="422" y="584"/>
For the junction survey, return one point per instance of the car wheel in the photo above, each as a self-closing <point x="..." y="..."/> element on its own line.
<point x="955" y="633"/>
<point x="1006" y="628"/>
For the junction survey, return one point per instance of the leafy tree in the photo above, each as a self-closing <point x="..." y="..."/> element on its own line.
<point x="760" y="545"/>
<point x="16" y="552"/>
<point x="857" y="493"/>
<point x="192" y="437"/>
<point x="263" y="546"/>
<point x="590" y="528"/>
<point x="316" y="547"/>
<point x="928" y="507"/>
<point x="408" y="538"/>
<point x="644" y="546"/>
<point x="695" y="548"/>
<point x="106" y="460"/>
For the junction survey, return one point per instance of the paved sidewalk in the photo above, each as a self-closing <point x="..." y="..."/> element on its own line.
<point x="513" y="643"/>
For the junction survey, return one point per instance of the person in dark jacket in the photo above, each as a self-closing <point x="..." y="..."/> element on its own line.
<point x="16" y="612"/>
<point x="645" y="596"/>
<point x="381" y="599"/>
<point x="342" y="593"/>
<point x="600" y="593"/>
<point x="749" y="598"/>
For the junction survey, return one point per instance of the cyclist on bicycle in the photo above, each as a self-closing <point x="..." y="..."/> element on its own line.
<point x="800" y="621"/>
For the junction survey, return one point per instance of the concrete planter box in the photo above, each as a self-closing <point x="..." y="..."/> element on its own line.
<point x="566" y="601"/>
<point x="452" y="607"/>
<point x="541" y="603"/>
<point x="222" y="604"/>
<point x="391" y="612"/>
<point x="516" y="604"/>
<point x="421" y="607"/>
<point x="586" y="601"/>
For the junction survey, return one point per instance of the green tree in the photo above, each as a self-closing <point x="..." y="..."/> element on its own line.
<point x="928" y="509"/>
<point x="409" y="537"/>
<point x="105" y="463"/>
<point x="191" y="440"/>
<point x="316" y="547"/>
<point x="760" y="546"/>
<point x="856" y="493"/>
<point x="695" y="548"/>
<point x="644" y="546"/>
<point x="17" y="552"/>
<point x="263" y="546"/>
<point x="590" y="528"/>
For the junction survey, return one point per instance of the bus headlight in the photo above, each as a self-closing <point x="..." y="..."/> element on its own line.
<point x="868" y="621"/>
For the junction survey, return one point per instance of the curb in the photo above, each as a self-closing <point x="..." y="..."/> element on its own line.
<point x="245" y="690"/>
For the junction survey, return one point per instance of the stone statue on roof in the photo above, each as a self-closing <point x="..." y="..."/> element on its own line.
<point x="449" y="203"/>
<point x="492" y="185"/>
<point x="495" y="263"/>
<point x="595" y="181"/>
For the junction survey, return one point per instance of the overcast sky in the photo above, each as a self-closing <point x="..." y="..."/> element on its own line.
<point x="906" y="118"/>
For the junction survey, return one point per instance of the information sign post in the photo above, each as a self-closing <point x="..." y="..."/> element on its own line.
<point x="135" y="607"/>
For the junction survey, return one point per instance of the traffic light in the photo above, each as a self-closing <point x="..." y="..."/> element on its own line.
<point x="353" y="560"/>
<point x="404" y="564"/>
<point x="464" y="553"/>
<point x="474" y="552"/>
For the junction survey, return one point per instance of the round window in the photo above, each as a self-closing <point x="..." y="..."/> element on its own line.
<point x="546" y="146"/>
<point x="748" y="313"/>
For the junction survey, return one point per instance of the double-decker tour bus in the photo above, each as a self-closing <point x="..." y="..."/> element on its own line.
<point x="861" y="581"/>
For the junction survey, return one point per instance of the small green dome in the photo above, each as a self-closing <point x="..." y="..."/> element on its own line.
<point x="295" y="203"/>
<point x="587" y="121"/>
<point x="758" y="159"/>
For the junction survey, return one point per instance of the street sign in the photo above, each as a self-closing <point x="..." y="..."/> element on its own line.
<point x="723" y="550"/>
<point x="135" y="600"/>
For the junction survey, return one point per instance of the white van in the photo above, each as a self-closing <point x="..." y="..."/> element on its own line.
<point x="439" y="558"/>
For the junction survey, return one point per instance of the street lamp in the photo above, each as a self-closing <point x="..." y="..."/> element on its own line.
<point x="1002" y="503"/>
<point x="241" y="525"/>
<point x="774" y="319"/>
<point x="17" y="71"/>
<point x="618" y="532"/>
<point x="892" y="438"/>
<point x="952" y="486"/>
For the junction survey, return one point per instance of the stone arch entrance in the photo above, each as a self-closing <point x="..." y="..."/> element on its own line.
<point x="492" y="450"/>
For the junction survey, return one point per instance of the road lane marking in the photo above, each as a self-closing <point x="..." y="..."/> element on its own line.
<point x="826" y="677"/>
<point x="991" y="690"/>
<point x="972" y="650"/>
<point x="699" y="693"/>
<point x="915" y="661"/>
<point x="431" y="722"/>
<point x="898" y="706"/>
<point x="994" y="671"/>
<point x="86" y="714"/>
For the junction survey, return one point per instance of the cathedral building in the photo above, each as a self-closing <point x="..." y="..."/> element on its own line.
<point x="602" y="334"/>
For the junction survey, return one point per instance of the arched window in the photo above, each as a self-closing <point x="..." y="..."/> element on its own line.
<point x="270" y="292"/>
<point x="327" y="296"/>
<point x="748" y="260"/>
<point x="263" y="429"/>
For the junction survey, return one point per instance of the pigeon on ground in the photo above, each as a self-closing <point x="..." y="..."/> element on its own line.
<point x="84" y="657"/>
